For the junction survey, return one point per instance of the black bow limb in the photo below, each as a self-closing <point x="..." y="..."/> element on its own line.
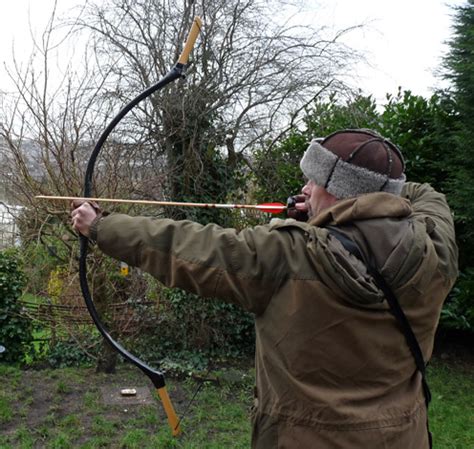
<point x="156" y="377"/>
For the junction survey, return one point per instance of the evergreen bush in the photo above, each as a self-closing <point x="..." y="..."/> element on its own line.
<point x="15" y="327"/>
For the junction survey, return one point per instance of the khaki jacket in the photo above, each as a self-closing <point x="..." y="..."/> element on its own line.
<point x="332" y="367"/>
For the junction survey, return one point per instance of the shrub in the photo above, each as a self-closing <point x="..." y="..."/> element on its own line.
<point x="40" y="261"/>
<point x="69" y="353"/>
<point x="458" y="312"/>
<point x="191" y="328"/>
<point x="15" y="328"/>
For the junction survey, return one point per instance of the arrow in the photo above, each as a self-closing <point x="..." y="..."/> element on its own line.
<point x="271" y="208"/>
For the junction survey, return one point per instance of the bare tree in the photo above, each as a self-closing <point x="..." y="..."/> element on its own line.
<point x="250" y="78"/>
<point x="48" y="127"/>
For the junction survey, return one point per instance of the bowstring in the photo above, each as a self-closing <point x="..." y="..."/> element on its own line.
<point x="193" y="397"/>
<point x="205" y="378"/>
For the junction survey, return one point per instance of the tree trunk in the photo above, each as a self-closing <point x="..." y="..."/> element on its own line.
<point x="107" y="361"/>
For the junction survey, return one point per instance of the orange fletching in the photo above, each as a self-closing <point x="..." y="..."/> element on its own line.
<point x="272" y="208"/>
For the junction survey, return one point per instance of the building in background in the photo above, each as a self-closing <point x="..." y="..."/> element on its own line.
<point x="9" y="234"/>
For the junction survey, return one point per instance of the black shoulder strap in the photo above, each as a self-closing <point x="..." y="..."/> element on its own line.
<point x="396" y="310"/>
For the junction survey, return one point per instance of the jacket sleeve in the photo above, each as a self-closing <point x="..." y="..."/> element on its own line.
<point x="431" y="207"/>
<point x="244" y="267"/>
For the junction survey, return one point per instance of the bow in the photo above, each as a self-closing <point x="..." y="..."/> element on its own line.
<point x="156" y="377"/>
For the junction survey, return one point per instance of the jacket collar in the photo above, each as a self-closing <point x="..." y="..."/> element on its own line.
<point x="363" y="207"/>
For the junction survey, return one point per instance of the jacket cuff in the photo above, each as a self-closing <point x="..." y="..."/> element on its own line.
<point x="94" y="228"/>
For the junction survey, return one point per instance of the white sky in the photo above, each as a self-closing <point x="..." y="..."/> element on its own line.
<point x="403" y="40"/>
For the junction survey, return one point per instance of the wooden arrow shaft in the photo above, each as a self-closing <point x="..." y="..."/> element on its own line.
<point x="269" y="207"/>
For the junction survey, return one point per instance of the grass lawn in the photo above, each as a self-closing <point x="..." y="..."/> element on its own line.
<point x="452" y="406"/>
<point x="65" y="408"/>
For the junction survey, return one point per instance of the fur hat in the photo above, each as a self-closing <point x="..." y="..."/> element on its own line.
<point x="353" y="162"/>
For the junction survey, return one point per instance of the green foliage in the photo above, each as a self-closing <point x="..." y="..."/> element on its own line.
<point x="458" y="312"/>
<point x="199" y="170"/>
<point x="190" y="329"/>
<point x="329" y="116"/>
<point x="460" y="64"/>
<point x="67" y="353"/>
<point x="460" y="71"/>
<point x="212" y="185"/>
<point x="277" y="175"/>
<point x="424" y="130"/>
<point x="15" y="328"/>
<point x="40" y="260"/>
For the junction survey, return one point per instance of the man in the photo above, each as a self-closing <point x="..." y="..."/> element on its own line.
<point x="333" y="367"/>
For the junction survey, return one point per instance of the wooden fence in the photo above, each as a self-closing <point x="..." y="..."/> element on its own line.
<point x="57" y="316"/>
